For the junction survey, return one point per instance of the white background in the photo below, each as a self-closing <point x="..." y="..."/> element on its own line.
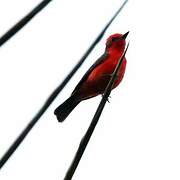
<point x="138" y="135"/>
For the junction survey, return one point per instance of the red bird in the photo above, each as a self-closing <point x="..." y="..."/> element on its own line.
<point x="97" y="77"/>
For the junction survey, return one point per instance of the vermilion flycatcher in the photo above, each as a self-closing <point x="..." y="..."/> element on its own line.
<point x="97" y="77"/>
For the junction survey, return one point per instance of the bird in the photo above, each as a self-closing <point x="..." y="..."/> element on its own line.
<point x="95" y="80"/>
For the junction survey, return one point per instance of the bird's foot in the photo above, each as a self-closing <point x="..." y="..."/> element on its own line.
<point x="107" y="98"/>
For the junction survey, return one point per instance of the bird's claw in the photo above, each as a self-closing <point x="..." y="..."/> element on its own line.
<point x="107" y="98"/>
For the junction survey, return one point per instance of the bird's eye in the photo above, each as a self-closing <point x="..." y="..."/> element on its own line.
<point x="115" y="39"/>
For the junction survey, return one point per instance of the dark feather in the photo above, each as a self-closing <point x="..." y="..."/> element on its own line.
<point x="65" y="108"/>
<point x="98" y="62"/>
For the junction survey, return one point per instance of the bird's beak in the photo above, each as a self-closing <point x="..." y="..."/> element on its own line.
<point x="125" y="35"/>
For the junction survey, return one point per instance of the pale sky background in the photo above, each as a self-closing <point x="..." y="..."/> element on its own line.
<point x="138" y="135"/>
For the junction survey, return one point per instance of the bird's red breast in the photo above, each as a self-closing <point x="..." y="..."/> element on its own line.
<point x="99" y="78"/>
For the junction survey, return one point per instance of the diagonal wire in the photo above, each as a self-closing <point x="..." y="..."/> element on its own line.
<point x="53" y="95"/>
<point x="18" y="26"/>
<point x="89" y="132"/>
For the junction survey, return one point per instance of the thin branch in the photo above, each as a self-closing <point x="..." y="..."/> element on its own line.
<point x="18" y="26"/>
<point x="53" y="95"/>
<point x="94" y="122"/>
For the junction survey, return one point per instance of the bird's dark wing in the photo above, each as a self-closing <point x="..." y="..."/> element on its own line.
<point x="98" y="62"/>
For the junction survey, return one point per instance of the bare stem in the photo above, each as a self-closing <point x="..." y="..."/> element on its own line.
<point x="18" y="26"/>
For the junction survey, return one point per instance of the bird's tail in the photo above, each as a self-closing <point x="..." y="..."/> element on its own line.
<point x="65" y="108"/>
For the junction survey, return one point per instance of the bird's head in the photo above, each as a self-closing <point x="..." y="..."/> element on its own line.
<point x="116" y="42"/>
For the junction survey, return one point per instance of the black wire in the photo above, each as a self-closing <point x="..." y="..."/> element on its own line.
<point x="11" y="32"/>
<point x="94" y="122"/>
<point x="53" y="95"/>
